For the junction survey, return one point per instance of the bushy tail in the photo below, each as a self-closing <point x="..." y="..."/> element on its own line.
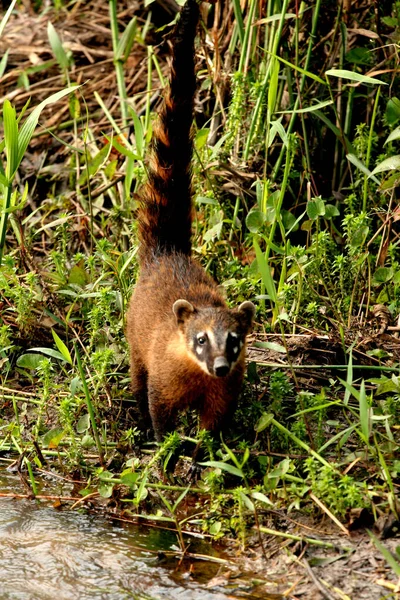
<point x="165" y="212"/>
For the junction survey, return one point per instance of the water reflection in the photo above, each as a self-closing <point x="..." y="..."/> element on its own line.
<point x="70" y="555"/>
<point x="46" y="554"/>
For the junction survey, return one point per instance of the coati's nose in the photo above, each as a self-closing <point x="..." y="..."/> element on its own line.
<point x="221" y="366"/>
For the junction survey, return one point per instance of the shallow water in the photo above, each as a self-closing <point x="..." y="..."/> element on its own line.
<point x="72" y="555"/>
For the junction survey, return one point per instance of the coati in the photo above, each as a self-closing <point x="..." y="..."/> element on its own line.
<point x="187" y="349"/>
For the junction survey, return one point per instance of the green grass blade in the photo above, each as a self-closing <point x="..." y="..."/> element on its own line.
<point x="126" y="41"/>
<point x="349" y="379"/>
<point x="3" y="62"/>
<point x="360" y="165"/>
<point x="29" y="126"/>
<point x="387" y="555"/>
<point x="239" y="19"/>
<point x="89" y="405"/>
<point x="308" y="109"/>
<point x="57" y="47"/>
<point x="364" y="412"/>
<point x="299" y="69"/>
<point x="4" y="20"/>
<point x="389" y="164"/>
<point x="62" y="347"/>
<point x="351" y="76"/>
<point x="217" y="464"/>
<point x="10" y="138"/>
<point x="265" y="272"/>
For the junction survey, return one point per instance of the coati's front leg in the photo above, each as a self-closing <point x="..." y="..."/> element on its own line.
<point x="163" y="414"/>
<point x="139" y="386"/>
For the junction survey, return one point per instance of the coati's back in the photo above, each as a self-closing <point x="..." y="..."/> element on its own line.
<point x="187" y="347"/>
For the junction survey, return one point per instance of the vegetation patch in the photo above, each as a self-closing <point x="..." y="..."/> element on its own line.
<point x="295" y="173"/>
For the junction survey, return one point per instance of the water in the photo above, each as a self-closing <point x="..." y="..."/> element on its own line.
<point x="49" y="554"/>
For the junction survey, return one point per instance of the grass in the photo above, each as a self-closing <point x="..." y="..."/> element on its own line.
<point x="295" y="176"/>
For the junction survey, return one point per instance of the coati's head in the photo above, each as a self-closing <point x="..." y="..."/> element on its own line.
<point x="215" y="336"/>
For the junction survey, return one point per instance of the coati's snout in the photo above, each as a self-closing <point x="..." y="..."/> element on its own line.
<point x="221" y="366"/>
<point x="215" y="336"/>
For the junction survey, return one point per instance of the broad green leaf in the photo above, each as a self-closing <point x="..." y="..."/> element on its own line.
<point x="360" y="165"/>
<point x="392" y="112"/>
<point x="87" y="441"/>
<point x="215" y="527"/>
<point x="263" y="422"/>
<point x="62" y="347"/>
<point x="78" y="276"/>
<point x="83" y="424"/>
<point x="29" y="126"/>
<point x="3" y="180"/>
<point x="288" y="220"/>
<point x="271" y="346"/>
<point x="106" y="490"/>
<point x="49" y="352"/>
<point x="261" y="498"/>
<point x="392" y="181"/>
<point x="201" y="138"/>
<point x="388" y="387"/>
<point x="52" y="438"/>
<point x="255" y="220"/>
<point x="352" y="76"/>
<point x="395" y="135"/>
<point x="331" y="211"/>
<point x="359" y="236"/>
<point x="281" y="469"/>
<point x="130" y="479"/>
<point x="57" y="47"/>
<point x="217" y="464"/>
<point x="29" y="361"/>
<point x="389" y="164"/>
<point x="315" y="208"/>
<point x="246" y="500"/>
<point x="382" y="275"/>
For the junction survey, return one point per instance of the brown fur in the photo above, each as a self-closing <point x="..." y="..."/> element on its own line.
<point x="174" y="299"/>
<point x="161" y="363"/>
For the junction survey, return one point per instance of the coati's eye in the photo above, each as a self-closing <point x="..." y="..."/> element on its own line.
<point x="201" y="340"/>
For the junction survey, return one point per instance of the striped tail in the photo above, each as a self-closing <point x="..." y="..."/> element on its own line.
<point x="165" y="211"/>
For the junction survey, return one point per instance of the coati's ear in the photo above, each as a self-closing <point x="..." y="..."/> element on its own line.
<point x="182" y="310"/>
<point x="247" y="311"/>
